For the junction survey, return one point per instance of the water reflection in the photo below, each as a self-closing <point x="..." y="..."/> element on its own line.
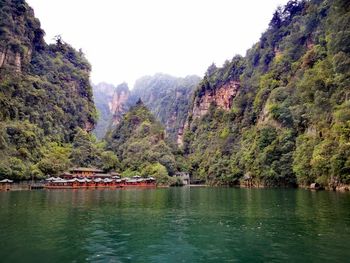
<point x="175" y="224"/>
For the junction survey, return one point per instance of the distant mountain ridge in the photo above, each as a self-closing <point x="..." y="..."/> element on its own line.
<point x="166" y="96"/>
<point x="109" y="105"/>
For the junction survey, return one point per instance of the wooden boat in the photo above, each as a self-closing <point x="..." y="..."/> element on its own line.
<point x="96" y="183"/>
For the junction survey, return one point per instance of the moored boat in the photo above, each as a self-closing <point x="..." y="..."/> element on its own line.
<point x="98" y="182"/>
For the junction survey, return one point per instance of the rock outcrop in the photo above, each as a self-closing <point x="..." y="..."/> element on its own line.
<point x="21" y="35"/>
<point x="119" y="103"/>
<point x="11" y="59"/>
<point x="222" y="97"/>
<point x="112" y="102"/>
<point x="180" y="136"/>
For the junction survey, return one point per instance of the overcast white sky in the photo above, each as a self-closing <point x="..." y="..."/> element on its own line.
<point x="127" y="39"/>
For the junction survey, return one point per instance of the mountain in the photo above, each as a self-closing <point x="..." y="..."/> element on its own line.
<point x="45" y="95"/>
<point x="111" y="103"/>
<point x="169" y="99"/>
<point x="121" y="101"/>
<point x="139" y="142"/>
<point x="104" y="95"/>
<point x="166" y="96"/>
<point x="279" y="116"/>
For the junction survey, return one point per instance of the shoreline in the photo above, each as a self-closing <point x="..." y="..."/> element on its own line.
<point x="27" y="187"/>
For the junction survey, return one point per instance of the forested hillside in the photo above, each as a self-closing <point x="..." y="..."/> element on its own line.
<point x="280" y="116"/>
<point x="45" y="96"/>
<point x="139" y="142"/>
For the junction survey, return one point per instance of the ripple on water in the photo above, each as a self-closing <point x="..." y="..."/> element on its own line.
<point x="170" y="225"/>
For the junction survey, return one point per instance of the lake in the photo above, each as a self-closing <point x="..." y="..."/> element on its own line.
<point x="175" y="225"/>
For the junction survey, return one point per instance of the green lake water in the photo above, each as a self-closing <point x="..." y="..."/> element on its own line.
<point x="175" y="225"/>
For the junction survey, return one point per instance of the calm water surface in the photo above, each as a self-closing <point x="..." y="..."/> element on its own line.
<point x="175" y="225"/>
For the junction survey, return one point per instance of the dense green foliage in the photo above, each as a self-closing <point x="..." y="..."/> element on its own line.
<point x="19" y="29"/>
<point x="138" y="141"/>
<point x="44" y="97"/>
<point x="289" y="124"/>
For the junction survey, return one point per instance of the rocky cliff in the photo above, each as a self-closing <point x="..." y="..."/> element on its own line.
<point x="10" y="59"/>
<point x="221" y="97"/>
<point x="120" y="102"/>
<point x="21" y="35"/>
<point x="45" y="94"/>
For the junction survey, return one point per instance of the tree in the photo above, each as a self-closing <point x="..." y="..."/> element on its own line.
<point x="56" y="159"/>
<point x="157" y="171"/>
<point x="276" y="20"/>
<point x="13" y="168"/>
<point x="109" y="161"/>
<point x="211" y="70"/>
<point x="85" y="150"/>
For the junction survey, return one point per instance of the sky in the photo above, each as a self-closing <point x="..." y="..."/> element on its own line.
<point x="127" y="39"/>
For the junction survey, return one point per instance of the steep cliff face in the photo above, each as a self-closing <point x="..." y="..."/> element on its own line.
<point x="31" y="70"/>
<point x="218" y="89"/>
<point x="112" y="103"/>
<point x="21" y="35"/>
<point x="120" y="102"/>
<point x="9" y="59"/>
<point x="45" y="94"/>
<point x="222" y="97"/>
